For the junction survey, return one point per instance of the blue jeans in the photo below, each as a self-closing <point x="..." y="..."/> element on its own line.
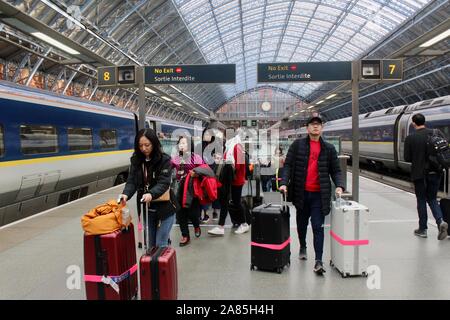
<point x="426" y="191"/>
<point x="312" y="209"/>
<point x="159" y="235"/>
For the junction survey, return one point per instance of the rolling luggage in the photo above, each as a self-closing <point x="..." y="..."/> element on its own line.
<point x="270" y="244"/>
<point x="158" y="269"/>
<point x="110" y="265"/>
<point x="349" y="237"/>
<point x="445" y="207"/>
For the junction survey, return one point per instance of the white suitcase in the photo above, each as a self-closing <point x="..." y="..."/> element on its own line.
<point x="349" y="234"/>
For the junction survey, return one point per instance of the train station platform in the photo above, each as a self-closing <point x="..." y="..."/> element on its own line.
<point x="40" y="256"/>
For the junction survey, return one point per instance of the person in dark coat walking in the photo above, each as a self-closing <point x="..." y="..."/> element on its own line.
<point x="310" y="162"/>
<point x="426" y="178"/>
<point x="150" y="177"/>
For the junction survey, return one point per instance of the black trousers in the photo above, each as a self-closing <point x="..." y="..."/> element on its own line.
<point x="238" y="216"/>
<point x="186" y="214"/>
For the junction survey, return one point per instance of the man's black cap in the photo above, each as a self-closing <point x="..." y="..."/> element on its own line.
<point x="314" y="119"/>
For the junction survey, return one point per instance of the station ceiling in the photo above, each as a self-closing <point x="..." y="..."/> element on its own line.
<point x="247" y="32"/>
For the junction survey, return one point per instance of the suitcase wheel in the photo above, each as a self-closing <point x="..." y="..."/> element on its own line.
<point x="364" y="274"/>
<point x="331" y="263"/>
<point x="252" y="267"/>
<point x="279" y="270"/>
<point x="345" y="275"/>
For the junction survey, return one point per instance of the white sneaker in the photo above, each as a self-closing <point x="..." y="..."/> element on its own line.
<point x="243" y="228"/>
<point x="217" y="231"/>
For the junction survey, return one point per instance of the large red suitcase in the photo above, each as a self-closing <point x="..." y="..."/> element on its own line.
<point x="110" y="266"/>
<point x="158" y="270"/>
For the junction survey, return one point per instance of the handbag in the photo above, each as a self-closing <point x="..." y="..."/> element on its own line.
<point x="164" y="197"/>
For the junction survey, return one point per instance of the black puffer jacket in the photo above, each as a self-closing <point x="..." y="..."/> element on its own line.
<point x="159" y="173"/>
<point x="296" y="166"/>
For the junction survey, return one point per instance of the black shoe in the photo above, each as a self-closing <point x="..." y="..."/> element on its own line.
<point x="302" y="254"/>
<point x="318" y="267"/>
<point x="420" y="233"/>
<point x="140" y="245"/>
<point x="443" y="227"/>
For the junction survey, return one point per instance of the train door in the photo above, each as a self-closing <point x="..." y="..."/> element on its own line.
<point x="403" y="131"/>
<point x="150" y="125"/>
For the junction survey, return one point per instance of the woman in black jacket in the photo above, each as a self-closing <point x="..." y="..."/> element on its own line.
<point x="150" y="176"/>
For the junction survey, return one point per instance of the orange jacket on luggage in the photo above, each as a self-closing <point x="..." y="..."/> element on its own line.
<point x="105" y="218"/>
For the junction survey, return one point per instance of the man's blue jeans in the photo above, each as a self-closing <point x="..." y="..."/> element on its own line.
<point x="426" y="192"/>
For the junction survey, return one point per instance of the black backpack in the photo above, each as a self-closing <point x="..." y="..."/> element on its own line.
<point x="438" y="151"/>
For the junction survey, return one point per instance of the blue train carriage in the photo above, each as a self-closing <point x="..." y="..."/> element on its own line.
<point x="55" y="149"/>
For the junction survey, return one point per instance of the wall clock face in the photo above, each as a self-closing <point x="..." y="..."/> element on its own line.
<point x="266" y="106"/>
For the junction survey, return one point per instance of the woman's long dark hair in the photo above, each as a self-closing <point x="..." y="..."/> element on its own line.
<point x="150" y="134"/>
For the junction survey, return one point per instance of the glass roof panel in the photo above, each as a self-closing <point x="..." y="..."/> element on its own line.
<point x="311" y="33"/>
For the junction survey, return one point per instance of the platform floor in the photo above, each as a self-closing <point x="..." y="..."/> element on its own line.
<point x="38" y="254"/>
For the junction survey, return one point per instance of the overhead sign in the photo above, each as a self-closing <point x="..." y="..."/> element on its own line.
<point x="116" y="76"/>
<point x="181" y="74"/>
<point x="243" y="123"/>
<point x="253" y="123"/>
<point x="106" y="76"/>
<point x="304" y="71"/>
<point x="392" y="69"/>
<point x="382" y="69"/>
<point x="370" y="69"/>
<point x="126" y="75"/>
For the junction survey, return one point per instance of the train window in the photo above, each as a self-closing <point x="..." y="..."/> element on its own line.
<point x="2" y="144"/>
<point x="80" y="139"/>
<point x="35" y="139"/>
<point x="108" y="139"/>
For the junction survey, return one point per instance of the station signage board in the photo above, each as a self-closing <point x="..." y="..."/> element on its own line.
<point x="114" y="76"/>
<point x="185" y="74"/>
<point x="305" y="71"/>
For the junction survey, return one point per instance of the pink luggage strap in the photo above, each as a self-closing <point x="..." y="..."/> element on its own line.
<point x="348" y="242"/>
<point x="107" y="279"/>
<point x="272" y="246"/>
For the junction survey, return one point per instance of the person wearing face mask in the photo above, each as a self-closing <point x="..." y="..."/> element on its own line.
<point x="150" y="175"/>
<point x="184" y="162"/>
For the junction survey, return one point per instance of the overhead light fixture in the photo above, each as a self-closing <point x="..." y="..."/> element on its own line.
<point x="195" y="112"/>
<point x="150" y="90"/>
<point x="303" y="111"/>
<point x="320" y="102"/>
<point x="295" y="113"/>
<point x="436" y="39"/>
<point x="178" y="104"/>
<point x="54" y="42"/>
<point x="331" y="96"/>
<point x="310" y="107"/>
<point x="166" y="98"/>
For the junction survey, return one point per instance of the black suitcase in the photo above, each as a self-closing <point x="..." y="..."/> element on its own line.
<point x="270" y="246"/>
<point x="445" y="207"/>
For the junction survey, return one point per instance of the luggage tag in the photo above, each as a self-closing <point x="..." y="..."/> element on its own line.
<point x="111" y="282"/>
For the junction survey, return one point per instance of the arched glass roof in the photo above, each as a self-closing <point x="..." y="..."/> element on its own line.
<point x="246" y="32"/>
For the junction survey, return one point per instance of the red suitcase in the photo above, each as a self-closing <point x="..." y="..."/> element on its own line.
<point x="110" y="266"/>
<point x="158" y="271"/>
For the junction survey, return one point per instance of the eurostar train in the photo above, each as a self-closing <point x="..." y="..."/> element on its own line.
<point x="55" y="149"/>
<point x="383" y="132"/>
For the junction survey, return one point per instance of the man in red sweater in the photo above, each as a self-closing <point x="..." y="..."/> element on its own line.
<point x="310" y="162"/>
